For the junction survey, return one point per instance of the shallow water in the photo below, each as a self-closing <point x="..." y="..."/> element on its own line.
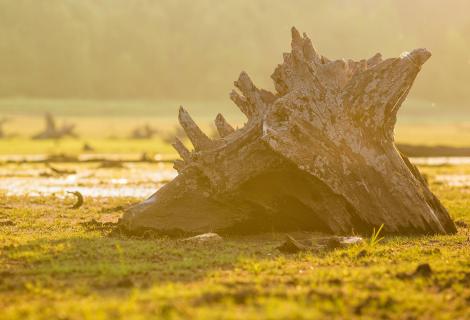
<point x="140" y="180"/>
<point x="454" y="180"/>
<point x="134" y="180"/>
<point x="439" y="161"/>
<point x="83" y="157"/>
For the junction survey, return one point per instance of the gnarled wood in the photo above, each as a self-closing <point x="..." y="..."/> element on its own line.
<point x="318" y="154"/>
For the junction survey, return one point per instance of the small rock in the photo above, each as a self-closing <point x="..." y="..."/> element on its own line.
<point x="317" y="244"/>
<point x="205" y="237"/>
<point x="333" y="243"/>
<point x="292" y="246"/>
<point x="423" y="270"/>
<point x="350" y="240"/>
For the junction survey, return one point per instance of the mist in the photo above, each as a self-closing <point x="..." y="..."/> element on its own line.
<point x="193" y="50"/>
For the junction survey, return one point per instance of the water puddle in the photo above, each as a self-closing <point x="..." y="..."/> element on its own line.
<point x="441" y="161"/>
<point x="454" y="180"/>
<point x="134" y="180"/>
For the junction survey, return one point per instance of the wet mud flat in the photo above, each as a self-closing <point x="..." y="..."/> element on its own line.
<point x="116" y="178"/>
<point x="433" y="151"/>
<point x="106" y="179"/>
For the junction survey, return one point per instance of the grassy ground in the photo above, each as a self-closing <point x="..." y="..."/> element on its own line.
<point x="107" y="125"/>
<point x="55" y="264"/>
<point x="19" y="146"/>
<point x="112" y="135"/>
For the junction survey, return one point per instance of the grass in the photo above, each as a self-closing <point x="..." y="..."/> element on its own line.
<point x="375" y="237"/>
<point x="107" y="125"/>
<point x="111" y="135"/>
<point x="68" y="146"/>
<point x="54" y="265"/>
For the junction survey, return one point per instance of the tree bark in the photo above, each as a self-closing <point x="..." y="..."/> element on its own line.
<point x="317" y="155"/>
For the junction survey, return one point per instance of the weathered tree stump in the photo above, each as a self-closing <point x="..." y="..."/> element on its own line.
<point x="144" y="132"/>
<point x="52" y="131"/>
<point x="318" y="154"/>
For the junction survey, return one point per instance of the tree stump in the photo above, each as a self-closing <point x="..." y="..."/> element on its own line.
<point x="52" y="131"/>
<point x="316" y="155"/>
<point x="144" y="132"/>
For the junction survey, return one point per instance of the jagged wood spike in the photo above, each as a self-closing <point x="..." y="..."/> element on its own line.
<point x="254" y="104"/>
<point x="297" y="44"/>
<point x="377" y="58"/>
<point x="302" y="47"/>
<point x="246" y="86"/>
<point x="197" y="137"/>
<point x="317" y="156"/>
<point x="223" y="127"/>
<point x="181" y="149"/>
<point x="242" y="104"/>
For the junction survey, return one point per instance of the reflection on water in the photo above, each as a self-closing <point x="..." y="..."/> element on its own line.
<point x="134" y="180"/>
<point x="139" y="180"/>
<point x="83" y="157"/>
<point x="454" y="180"/>
<point x="439" y="161"/>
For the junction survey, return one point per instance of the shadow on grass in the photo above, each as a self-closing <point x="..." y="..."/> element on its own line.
<point x="102" y="262"/>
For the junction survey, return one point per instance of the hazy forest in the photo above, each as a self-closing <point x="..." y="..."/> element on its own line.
<point x="147" y="49"/>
